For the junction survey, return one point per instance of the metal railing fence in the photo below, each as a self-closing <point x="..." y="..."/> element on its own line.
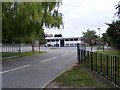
<point x="107" y="66"/>
<point x="10" y="50"/>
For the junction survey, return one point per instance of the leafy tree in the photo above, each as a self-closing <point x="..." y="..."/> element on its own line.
<point x="113" y="32"/>
<point x="89" y="35"/>
<point x="106" y="38"/>
<point x="25" y="21"/>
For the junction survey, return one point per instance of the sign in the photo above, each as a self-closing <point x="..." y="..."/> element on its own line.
<point x="92" y="41"/>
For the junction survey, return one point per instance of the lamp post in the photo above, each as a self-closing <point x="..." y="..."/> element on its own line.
<point x="99" y="31"/>
<point x="99" y="45"/>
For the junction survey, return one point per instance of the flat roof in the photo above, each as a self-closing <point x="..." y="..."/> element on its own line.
<point x="62" y="37"/>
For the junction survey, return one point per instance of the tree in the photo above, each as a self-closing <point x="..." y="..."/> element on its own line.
<point x="58" y="35"/>
<point x="106" y="38"/>
<point x="113" y="32"/>
<point x="25" y="21"/>
<point x="89" y="35"/>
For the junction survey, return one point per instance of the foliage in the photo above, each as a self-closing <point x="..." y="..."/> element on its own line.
<point x="21" y="54"/>
<point x="58" y="35"/>
<point x="113" y="32"/>
<point x="89" y="35"/>
<point x="77" y="77"/>
<point x="25" y="21"/>
<point x="106" y="38"/>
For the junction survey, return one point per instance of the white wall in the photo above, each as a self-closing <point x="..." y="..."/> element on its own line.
<point x="69" y="43"/>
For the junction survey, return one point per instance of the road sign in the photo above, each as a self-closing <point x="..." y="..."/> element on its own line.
<point x="92" y="41"/>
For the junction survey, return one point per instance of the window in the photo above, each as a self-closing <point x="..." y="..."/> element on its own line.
<point x="66" y="39"/>
<point x="48" y="40"/>
<point x="67" y="44"/>
<point x="57" y="40"/>
<point x="71" y="39"/>
<point x="75" y="39"/>
<point x="52" y="40"/>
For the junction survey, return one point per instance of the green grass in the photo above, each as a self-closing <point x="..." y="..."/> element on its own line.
<point x="100" y="48"/>
<point x="78" y="77"/>
<point x="6" y="54"/>
<point x="31" y="53"/>
<point x="55" y="48"/>
<point x="99" y="61"/>
<point x="112" y="52"/>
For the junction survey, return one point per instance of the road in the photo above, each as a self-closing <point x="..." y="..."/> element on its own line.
<point x="38" y="70"/>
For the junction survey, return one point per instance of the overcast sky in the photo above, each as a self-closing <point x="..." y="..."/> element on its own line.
<point x="80" y="15"/>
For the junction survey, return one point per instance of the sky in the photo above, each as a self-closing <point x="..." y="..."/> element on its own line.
<point x="81" y="15"/>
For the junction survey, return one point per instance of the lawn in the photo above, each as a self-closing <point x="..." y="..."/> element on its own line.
<point x="77" y="77"/>
<point x="104" y="63"/>
<point x="21" y="54"/>
<point x="112" y="52"/>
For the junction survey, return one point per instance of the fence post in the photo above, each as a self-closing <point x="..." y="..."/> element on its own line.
<point x="91" y="61"/>
<point x="118" y="70"/>
<point x="39" y="45"/>
<point x="111" y="66"/>
<point x="78" y="53"/>
<point x="19" y="48"/>
<point x="115" y="69"/>
<point x="101" y="63"/>
<point x="107" y="67"/>
<point x="33" y="46"/>
<point x="96" y="61"/>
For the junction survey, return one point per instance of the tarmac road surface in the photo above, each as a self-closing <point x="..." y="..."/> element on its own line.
<point x="38" y="70"/>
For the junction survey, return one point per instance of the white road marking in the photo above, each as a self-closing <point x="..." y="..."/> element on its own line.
<point x="14" y="69"/>
<point x="66" y="54"/>
<point x="48" y="59"/>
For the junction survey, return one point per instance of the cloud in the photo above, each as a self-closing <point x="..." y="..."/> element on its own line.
<point x="81" y="15"/>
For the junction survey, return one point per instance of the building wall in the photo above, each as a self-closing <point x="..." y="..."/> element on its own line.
<point x="53" y="43"/>
<point x="72" y="43"/>
<point x="66" y="43"/>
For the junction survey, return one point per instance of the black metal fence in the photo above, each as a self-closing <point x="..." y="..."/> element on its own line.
<point x="108" y="66"/>
<point x="10" y="50"/>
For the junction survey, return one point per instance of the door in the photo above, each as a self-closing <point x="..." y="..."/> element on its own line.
<point x="62" y="43"/>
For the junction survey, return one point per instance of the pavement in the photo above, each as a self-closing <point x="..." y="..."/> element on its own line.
<point x="38" y="70"/>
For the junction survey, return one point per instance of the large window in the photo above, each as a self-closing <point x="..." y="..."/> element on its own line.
<point x="75" y="39"/>
<point x="66" y="39"/>
<point x="71" y="39"/>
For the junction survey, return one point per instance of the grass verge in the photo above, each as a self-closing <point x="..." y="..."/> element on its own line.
<point x="21" y="54"/>
<point x="112" y="52"/>
<point x="31" y="53"/>
<point x="78" y="77"/>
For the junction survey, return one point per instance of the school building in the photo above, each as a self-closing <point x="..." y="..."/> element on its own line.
<point x="62" y="42"/>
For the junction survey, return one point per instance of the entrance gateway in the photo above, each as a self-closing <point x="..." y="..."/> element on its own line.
<point x="62" y="42"/>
